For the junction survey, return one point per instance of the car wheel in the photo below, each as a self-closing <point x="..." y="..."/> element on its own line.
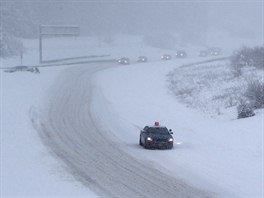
<point x="140" y="143"/>
<point x="146" y="146"/>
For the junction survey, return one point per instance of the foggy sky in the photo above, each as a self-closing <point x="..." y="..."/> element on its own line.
<point x="187" y="18"/>
<point x="243" y="18"/>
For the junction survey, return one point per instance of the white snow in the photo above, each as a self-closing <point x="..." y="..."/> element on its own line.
<point x="222" y="156"/>
<point x="225" y="156"/>
<point x="27" y="167"/>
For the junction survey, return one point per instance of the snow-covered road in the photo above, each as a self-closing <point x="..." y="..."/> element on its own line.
<point x="67" y="126"/>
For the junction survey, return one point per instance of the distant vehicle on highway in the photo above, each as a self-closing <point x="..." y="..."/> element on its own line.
<point x="214" y="51"/>
<point x="22" y="68"/>
<point x="123" y="61"/>
<point x="165" y="57"/>
<point x="235" y="52"/>
<point x="203" y="53"/>
<point x="156" y="137"/>
<point x="181" y="54"/>
<point x="142" y="59"/>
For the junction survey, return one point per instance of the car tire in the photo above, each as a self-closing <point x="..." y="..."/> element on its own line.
<point x="140" y="143"/>
<point x="146" y="146"/>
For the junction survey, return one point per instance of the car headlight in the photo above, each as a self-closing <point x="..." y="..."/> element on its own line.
<point x="170" y="140"/>
<point x="149" y="139"/>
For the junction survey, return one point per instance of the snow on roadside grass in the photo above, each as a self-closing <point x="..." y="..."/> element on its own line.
<point x="211" y="88"/>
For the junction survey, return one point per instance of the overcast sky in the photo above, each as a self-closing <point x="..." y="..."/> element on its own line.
<point x="236" y="17"/>
<point x="243" y="18"/>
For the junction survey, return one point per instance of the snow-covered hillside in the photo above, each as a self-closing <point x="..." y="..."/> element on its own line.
<point x="213" y="88"/>
<point x="223" y="156"/>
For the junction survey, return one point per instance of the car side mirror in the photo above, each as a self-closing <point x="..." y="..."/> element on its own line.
<point x="170" y="131"/>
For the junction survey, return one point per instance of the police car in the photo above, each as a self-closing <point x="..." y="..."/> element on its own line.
<point x="156" y="137"/>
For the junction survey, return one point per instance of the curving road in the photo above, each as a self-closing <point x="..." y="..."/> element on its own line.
<point x="68" y="129"/>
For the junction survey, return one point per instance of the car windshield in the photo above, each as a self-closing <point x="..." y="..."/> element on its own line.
<point x="158" y="130"/>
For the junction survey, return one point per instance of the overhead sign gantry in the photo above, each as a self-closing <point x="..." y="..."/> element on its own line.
<point x="55" y="31"/>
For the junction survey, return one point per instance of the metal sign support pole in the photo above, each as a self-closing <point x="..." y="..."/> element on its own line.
<point x="55" y="31"/>
<point x="40" y="45"/>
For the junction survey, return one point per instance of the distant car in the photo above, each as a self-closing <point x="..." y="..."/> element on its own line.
<point x="181" y="54"/>
<point x="142" y="59"/>
<point x="123" y="61"/>
<point x="166" y="57"/>
<point x="22" y="68"/>
<point x="10" y="70"/>
<point x="203" y="53"/>
<point x="235" y="52"/>
<point x="214" y="51"/>
<point x="156" y="137"/>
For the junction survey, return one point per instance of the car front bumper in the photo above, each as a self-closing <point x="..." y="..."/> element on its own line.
<point x="159" y="145"/>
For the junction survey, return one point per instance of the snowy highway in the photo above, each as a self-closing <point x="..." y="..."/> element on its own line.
<point x="80" y="80"/>
<point x="68" y="128"/>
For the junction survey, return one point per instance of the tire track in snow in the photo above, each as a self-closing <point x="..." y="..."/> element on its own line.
<point x="67" y="128"/>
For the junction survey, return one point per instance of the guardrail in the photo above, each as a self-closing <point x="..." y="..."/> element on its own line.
<point x="205" y="61"/>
